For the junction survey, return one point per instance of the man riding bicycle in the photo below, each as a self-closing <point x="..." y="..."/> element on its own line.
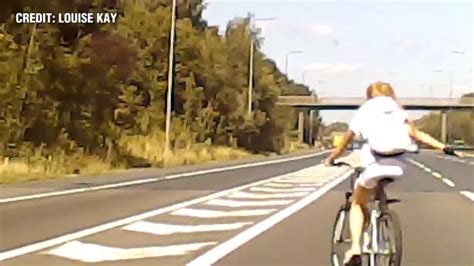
<point x="383" y="123"/>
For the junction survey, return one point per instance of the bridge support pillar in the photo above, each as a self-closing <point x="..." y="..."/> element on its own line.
<point x="444" y="126"/>
<point x="300" y="127"/>
<point x="311" y="127"/>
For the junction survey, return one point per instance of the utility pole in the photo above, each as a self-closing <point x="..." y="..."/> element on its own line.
<point x="251" y="64"/>
<point x="250" y="89"/>
<point x="287" y="56"/>
<point x="170" y="78"/>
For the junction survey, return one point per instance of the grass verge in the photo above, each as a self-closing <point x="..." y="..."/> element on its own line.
<point x="37" y="168"/>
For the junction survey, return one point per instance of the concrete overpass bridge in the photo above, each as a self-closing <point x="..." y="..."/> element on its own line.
<point x="312" y="103"/>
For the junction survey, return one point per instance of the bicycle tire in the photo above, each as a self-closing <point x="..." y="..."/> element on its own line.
<point x="392" y="218"/>
<point x="340" y="236"/>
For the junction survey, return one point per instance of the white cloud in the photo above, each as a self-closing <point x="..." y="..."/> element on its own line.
<point x="332" y="68"/>
<point x="322" y="30"/>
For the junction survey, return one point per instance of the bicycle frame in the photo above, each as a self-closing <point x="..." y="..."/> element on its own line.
<point x="378" y="216"/>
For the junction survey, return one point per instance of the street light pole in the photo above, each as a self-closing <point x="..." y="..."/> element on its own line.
<point x="450" y="80"/>
<point x="250" y="90"/>
<point x="170" y="78"/>
<point x="287" y="56"/>
<point x="303" y="76"/>
<point x="451" y="74"/>
<point x="451" y="85"/>
<point x="251" y="64"/>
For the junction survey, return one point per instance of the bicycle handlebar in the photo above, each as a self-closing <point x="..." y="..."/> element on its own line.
<point x="448" y="150"/>
<point x="342" y="163"/>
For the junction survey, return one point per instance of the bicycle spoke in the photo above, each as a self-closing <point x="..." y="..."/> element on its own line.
<point x="388" y="240"/>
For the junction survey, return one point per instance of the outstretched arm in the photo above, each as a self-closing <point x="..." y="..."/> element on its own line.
<point x="348" y="137"/>
<point x="424" y="137"/>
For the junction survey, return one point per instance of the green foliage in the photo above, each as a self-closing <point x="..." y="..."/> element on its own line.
<point x="460" y="123"/>
<point x="335" y="127"/>
<point x="88" y="89"/>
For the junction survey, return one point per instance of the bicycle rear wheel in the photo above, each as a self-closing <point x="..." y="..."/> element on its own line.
<point x="341" y="238"/>
<point x="390" y="239"/>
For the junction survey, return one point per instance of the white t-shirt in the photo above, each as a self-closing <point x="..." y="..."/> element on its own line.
<point x="382" y="123"/>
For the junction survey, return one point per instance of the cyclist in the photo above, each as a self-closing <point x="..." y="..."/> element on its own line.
<point x="384" y="125"/>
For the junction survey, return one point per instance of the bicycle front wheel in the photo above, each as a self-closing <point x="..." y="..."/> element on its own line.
<point x="341" y="239"/>
<point x="390" y="239"/>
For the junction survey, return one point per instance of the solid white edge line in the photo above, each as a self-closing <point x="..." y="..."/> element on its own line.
<point x="221" y="250"/>
<point x="156" y="179"/>
<point x="122" y="222"/>
<point x="467" y="194"/>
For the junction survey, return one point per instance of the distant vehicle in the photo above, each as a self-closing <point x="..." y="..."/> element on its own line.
<point x="357" y="145"/>
<point x="337" y="138"/>
<point x="459" y="143"/>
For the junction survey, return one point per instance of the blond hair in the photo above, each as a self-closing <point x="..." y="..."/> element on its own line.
<point x="380" y="88"/>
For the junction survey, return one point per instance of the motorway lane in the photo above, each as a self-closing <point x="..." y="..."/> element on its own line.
<point x="437" y="223"/>
<point x="145" y="239"/>
<point x="459" y="170"/>
<point x="427" y="212"/>
<point x="30" y="221"/>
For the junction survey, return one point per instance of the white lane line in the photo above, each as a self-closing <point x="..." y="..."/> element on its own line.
<point x="309" y="180"/>
<point x="281" y="190"/>
<point x="118" y="223"/>
<point x="468" y="194"/>
<point x="246" y="195"/>
<point x="93" y="253"/>
<point x="228" y="246"/>
<point x="200" y="213"/>
<point x="448" y="182"/>
<point x="437" y="175"/>
<point x="239" y="203"/>
<point x="293" y="181"/>
<point x="169" y="229"/>
<point x="454" y="159"/>
<point x="416" y="163"/>
<point x="151" y="180"/>
<point x="278" y="185"/>
<point x="316" y="175"/>
<point x="311" y="185"/>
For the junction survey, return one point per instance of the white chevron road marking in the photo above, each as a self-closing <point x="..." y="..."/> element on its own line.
<point x="282" y="190"/>
<point x="168" y="229"/>
<point x="240" y="203"/>
<point x="200" y="213"/>
<point x="93" y="253"/>
<point x="247" y="195"/>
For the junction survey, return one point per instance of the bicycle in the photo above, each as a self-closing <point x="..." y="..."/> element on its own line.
<point x="382" y="238"/>
<point x="381" y="247"/>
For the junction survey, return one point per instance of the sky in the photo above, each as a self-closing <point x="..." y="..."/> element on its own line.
<point x="420" y="47"/>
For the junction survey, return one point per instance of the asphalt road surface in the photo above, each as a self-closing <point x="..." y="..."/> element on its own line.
<point x="278" y="213"/>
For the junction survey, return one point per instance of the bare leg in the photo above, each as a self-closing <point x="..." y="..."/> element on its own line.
<point x="357" y="216"/>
